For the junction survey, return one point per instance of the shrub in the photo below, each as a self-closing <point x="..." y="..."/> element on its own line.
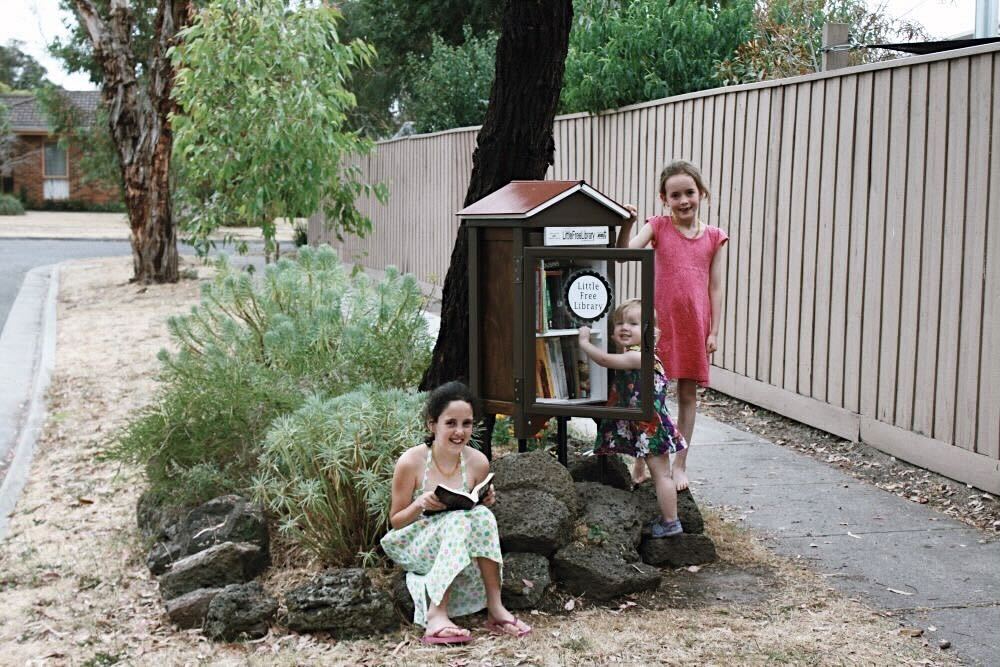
<point x="77" y="205"/>
<point x="637" y="50"/>
<point x="326" y="470"/>
<point x="10" y="205"/>
<point x="450" y="87"/>
<point x="255" y="350"/>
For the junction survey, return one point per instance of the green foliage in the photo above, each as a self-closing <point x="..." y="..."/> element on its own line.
<point x="629" y="51"/>
<point x="326" y="470"/>
<point x="99" y="158"/>
<point x="76" y="51"/>
<point x="399" y="30"/>
<point x="300" y="234"/>
<point x="255" y="350"/>
<point x="788" y="37"/>
<point x="10" y="205"/>
<point x="19" y="70"/>
<point x="274" y="145"/>
<point x="77" y="205"/>
<point x="450" y="87"/>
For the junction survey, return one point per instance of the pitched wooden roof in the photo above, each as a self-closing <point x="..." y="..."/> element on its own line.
<point x="525" y="199"/>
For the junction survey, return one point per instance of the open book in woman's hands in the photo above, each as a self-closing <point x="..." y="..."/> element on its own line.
<point x="460" y="500"/>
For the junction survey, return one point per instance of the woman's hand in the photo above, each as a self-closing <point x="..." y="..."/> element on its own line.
<point x="584" y="335"/>
<point x="490" y="498"/>
<point x="633" y="211"/>
<point x="429" y="502"/>
<point x="711" y="343"/>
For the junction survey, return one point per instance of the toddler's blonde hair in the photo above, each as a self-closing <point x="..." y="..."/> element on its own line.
<point x="628" y="304"/>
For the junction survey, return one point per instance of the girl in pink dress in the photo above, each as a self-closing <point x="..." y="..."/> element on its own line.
<point x="688" y="296"/>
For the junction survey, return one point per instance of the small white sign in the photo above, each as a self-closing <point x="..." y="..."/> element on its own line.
<point x="576" y="236"/>
<point x="588" y="295"/>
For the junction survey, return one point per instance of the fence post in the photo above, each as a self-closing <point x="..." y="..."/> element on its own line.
<point x="835" y="34"/>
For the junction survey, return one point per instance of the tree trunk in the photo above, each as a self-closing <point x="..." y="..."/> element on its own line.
<point x="514" y="143"/>
<point x="140" y="126"/>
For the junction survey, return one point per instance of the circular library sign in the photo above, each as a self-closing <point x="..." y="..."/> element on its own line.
<point x="588" y="295"/>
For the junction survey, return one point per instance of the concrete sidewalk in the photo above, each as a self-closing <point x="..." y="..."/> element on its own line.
<point x="926" y="568"/>
<point x="108" y="227"/>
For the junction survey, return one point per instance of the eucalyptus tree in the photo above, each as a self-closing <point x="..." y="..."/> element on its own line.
<point x="128" y="47"/>
<point x="263" y="92"/>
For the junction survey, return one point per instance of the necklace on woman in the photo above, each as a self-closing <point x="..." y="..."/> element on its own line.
<point x="447" y="475"/>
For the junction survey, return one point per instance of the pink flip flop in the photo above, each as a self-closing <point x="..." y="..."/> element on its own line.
<point x="438" y="638"/>
<point x="499" y="628"/>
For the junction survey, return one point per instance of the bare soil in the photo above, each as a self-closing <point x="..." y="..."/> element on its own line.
<point x="961" y="501"/>
<point x="74" y="589"/>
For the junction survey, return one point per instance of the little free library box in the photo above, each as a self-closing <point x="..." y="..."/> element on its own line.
<point x="543" y="263"/>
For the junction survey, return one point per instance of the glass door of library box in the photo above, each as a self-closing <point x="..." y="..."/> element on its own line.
<point x="565" y="289"/>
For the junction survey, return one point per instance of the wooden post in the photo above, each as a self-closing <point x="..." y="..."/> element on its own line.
<point x="562" y="437"/>
<point x="835" y="34"/>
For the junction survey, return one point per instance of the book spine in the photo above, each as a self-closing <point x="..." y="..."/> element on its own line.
<point x="569" y="363"/>
<point x="559" y="370"/>
<point x="543" y="382"/>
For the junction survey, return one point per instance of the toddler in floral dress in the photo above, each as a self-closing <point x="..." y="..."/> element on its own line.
<point x="652" y="441"/>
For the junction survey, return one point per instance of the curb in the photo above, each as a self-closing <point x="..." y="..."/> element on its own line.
<point x="28" y="348"/>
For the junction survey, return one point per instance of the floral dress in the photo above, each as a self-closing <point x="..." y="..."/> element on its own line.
<point x="438" y="553"/>
<point x="639" y="438"/>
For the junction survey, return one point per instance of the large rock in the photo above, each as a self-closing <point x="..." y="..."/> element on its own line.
<point x="687" y="508"/>
<point x="190" y="609"/>
<point x="534" y="470"/>
<point x="401" y="595"/>
<point x="678" y="551"/>
<point x="533" y="521"/>
<point x="224" y="519"/>
<point x="525" y="578"/>
<point x="155" y="519"/>
<point x="608" y="470"/>
<point x="240" y="610"/>
<point x="609" y="515"/>
<point x="343" y="602"/>
<point x="221" y="565"/>
<point x="601" y="572"/>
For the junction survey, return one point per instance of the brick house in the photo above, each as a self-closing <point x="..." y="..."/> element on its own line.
<point x="41" y="169"/>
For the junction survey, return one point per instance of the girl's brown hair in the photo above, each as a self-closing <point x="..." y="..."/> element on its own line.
<point x="683" y="167"/>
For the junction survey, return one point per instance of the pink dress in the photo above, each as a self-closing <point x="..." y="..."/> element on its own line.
<point x="683" y="306"/>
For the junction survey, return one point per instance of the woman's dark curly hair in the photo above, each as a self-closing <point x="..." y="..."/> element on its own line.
<point x="440" y="398"/>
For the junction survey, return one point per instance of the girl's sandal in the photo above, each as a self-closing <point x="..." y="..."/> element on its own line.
<point x="501" y="628"/>
<point x="438" y="638"/>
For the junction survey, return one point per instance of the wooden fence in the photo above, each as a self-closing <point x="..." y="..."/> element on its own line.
<point x="863" y="269"/>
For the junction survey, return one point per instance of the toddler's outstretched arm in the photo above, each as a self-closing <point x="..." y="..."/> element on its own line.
<point x="625" y="361"/>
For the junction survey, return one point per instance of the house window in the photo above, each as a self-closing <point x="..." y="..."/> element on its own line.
<point x="56" y="171"/>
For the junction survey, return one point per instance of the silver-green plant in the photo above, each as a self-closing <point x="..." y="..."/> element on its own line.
<point x="255" y="349"/>
<point x="326" y="470"/>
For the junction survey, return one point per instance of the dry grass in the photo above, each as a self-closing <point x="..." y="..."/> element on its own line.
<point x="74" y="590"/>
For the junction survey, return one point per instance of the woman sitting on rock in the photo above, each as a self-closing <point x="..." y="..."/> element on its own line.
<point x="452" y="559"/>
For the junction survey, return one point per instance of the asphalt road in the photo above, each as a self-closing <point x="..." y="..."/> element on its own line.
<point x="18" y="256"/>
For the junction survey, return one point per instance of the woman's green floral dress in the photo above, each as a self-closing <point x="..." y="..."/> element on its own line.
<point x="438" y="553"/>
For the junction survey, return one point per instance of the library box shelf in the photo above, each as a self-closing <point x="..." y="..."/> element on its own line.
<point x="532" y="246"/>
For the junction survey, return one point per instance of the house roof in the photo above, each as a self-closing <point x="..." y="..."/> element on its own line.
<point x="525" y="199"/>
<point x="25" y="113"/>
